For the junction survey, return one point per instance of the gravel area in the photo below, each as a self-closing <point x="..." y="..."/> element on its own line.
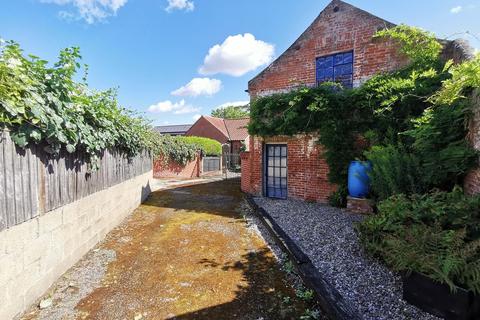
<point x="328" y="237"/>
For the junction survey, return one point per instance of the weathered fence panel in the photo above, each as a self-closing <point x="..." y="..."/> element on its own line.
<point x="33" y="182"/>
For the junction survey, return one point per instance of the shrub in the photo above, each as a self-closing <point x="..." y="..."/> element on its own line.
<point x="437" y="234"/>
<point x="177" y="149"/>
<point x="208" y="146"/>
<point x="394" y="171"/>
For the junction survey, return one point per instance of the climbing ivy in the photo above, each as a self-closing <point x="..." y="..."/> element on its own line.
<point x="389" y="110"/>
<point x="42" y="103"/>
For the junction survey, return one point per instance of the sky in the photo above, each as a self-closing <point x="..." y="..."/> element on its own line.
<point x="174" y="60"/>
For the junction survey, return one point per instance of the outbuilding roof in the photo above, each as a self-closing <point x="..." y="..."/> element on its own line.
<point x="180" y="128"/>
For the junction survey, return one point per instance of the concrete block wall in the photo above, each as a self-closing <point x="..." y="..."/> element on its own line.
<point x="37" y="252"/>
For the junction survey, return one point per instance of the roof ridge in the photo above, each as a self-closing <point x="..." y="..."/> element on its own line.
<point x="226" y="127"/>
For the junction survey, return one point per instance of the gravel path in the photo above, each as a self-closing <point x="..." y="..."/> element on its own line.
<point x="328" y="237"/>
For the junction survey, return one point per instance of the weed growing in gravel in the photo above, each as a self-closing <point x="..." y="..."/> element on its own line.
<point x="310" y="314"/>
<point x="305" y="294"/>
<point x="288" y="267"/>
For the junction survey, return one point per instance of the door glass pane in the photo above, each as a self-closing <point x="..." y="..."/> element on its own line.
<point x="270" y="172"/>
<point x="277" y="151"/>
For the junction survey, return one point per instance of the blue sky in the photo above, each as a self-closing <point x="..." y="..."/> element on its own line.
<point x="177" y="59"/>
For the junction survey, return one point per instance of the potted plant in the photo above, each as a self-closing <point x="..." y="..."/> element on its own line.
<point x="434" y="241"/>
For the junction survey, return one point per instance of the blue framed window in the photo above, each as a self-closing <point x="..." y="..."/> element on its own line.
<point x="276" y="171"/>
<point x="336" y="68"/>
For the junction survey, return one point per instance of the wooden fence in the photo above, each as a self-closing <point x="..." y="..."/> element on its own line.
<point x="33" y="182"/>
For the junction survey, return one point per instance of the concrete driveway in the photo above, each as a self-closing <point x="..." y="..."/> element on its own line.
<point x="186" y="253"/>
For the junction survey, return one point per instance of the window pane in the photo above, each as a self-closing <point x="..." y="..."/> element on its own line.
<point x="277" y="181"/>
<point x="348" y="57"/>
<point x="283" y="172"/>
<point x="284" y="151"/>
<point x="277" y="151"/>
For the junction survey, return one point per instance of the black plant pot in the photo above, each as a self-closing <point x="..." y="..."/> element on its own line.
<point x="437" y="298"/>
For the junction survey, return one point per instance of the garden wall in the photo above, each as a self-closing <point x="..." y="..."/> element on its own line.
<point x="193" y="169"/>
<point x="52" y="212"/>
<point x="172" y="169"/>
<point x="472" y="181"/>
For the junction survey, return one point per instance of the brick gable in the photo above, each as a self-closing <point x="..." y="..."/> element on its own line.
<point x="340" y="27"/>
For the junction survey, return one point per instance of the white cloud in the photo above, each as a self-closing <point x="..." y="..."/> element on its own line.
<point x="199" y="86"/>
<point x="456" y="9"/>
<point x="196" y="117"/>
<point x="180" y="107"/>
<point x="180" y="5"/>
<point x="89" y="10"/>
<point x="234" y="104"/>
<point x="237" y="55"/>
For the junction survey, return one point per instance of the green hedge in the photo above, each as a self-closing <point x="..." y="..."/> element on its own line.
<point x="209" y="147"/>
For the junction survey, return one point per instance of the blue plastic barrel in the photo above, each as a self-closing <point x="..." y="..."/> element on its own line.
<point x="358" y="180"/>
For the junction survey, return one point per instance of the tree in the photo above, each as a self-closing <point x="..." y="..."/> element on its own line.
<point x="231" y="112"/>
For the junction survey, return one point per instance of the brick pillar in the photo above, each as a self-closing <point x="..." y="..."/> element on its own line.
<point x="246" y="170"/>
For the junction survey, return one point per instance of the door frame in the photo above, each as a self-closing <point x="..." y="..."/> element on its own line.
<point x="265" y="168"/>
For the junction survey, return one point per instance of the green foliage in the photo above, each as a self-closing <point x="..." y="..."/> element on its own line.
<point x="43" y="104"/>
<point x="394" y="171"/>
<point x="182" y="149"/>
<point x="305" y="294"/>
<point x="438" y="140"/>
<point x="414" y="144"/>
<point x="418" y="45"/>
<point x="231" y="112"/>
<point x="339" y="198"/>
<point x="310" y="314"/>
<point x="209" y="147"/>
<point x="176" y="148"/>
<point x="464" y="76"/>
<point x="437" y="234"/>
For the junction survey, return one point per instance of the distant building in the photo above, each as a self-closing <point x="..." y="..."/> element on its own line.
<point x="174" y="130"/>
<point x="231" y="132"/>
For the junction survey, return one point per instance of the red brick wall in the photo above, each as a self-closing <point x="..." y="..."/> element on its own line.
<point x="347" y="29"/>
<point x="203" y="128"/>
<point x="472" y="181"/>
<point x="245" y="163"/>
<point x="174" y="170"/>
<point x="307" y="170"/>
<point x="236" y="146"/>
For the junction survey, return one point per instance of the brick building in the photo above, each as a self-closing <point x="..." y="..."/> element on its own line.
<point x="231" y="132"/>
<point x="337" y="46"/>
